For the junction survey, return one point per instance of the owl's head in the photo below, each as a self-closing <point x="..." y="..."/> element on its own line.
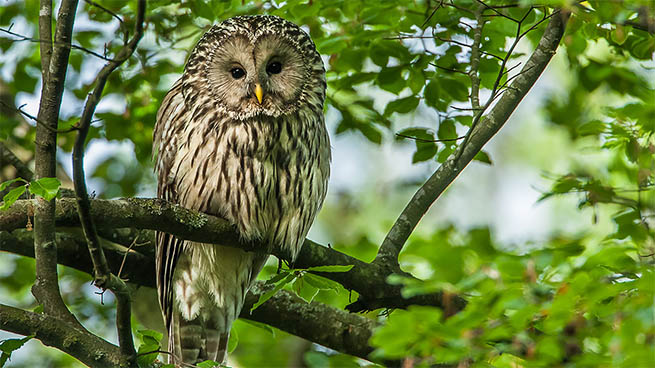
<point x="250" y="66"/>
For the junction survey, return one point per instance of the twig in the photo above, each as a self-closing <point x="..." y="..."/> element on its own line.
<point x="432" y="14"/>
<point x="93" y="3"/>
<point x="429" y="140"/>
<point x="120" y="269"/>
<point x="495" y="10"/>
<point x="102" y="274"/>
<point x="45" y="41"/>
<point x="494" y="90"/>
<point x="475" y="59"/>
<point x="20" y="110"/>
<point x="450" y="169"/>
<point x="448" y="69"/>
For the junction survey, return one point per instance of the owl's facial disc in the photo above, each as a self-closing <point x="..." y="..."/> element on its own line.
<point x="258" y="76"/>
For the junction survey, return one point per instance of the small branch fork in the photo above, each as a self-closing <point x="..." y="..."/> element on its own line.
<point x="103" y="277"/>
<point x="479" y="134"/>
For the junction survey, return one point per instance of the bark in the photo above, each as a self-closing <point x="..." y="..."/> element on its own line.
<point x="46" y="286"/>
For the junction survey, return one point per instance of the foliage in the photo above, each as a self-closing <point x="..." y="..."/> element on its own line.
<point x="46" y="188"/>
<point x="404" y="70"/>
<point x="10" y="345"/>
<point x="303" y="282"/>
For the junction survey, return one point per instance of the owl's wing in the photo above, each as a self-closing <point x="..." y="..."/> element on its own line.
<point x="169" y="121"/>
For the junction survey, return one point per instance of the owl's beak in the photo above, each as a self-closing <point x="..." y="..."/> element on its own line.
<point x="259" y="93"/>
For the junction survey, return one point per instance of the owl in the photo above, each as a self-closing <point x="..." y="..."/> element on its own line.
<point x="240" y="135"/>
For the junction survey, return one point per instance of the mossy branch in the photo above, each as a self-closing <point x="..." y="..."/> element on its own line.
<point x="368" y="279"/>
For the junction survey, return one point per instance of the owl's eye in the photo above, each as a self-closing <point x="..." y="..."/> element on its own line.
<point x="237" y="73"/>
<point x="274" y="68"/>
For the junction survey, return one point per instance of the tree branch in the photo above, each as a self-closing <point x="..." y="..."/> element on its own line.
<point x="369" y="280"/>
<point x="480" y="135"/>
<point x="86" y="347"/>
<point x="103" y="276"/>
<point x="325" y="325"/>
<point x="45" y="35"/>
<point x="328" y="326"/>
<point x="22" y="171"/>
<point x="475" y="59"/>
<point x="46" y="286"/>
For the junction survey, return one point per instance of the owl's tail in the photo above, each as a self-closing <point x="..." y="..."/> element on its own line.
<point x="196" y="341"/>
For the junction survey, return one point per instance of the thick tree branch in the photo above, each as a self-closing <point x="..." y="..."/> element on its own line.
<point x="328" y="326"/>
<point x="88" y="348"/>
<point x="369" y="280"/>
<point x="103" y="276"/>
<point x="46" y="286"/>
<point x="331" y="327"/>
<point x="480" y="135"/>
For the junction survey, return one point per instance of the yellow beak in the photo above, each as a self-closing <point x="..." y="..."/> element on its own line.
<point x="259" y="92"/>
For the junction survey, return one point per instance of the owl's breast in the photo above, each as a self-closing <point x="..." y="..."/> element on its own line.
<point x="267" y="176"/>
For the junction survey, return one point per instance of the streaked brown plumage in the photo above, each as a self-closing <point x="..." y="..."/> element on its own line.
<point x="240" y="135"/>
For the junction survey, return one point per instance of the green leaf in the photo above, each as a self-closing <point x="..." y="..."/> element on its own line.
<point x="148" y="350"/>
<point x="455" y="88"/>
<point x="304" y="289"/>
<point x="335" y="268"/>
<point x="431" y="93"/>
<point x="48" y="188"/>
<point x="416" y="80"/>
<point x="10" y="345"/>
<point x="483" y="156"/>
<point x="202" y="9"/>
<point x="278" y="286"/>
<point x="12" y="197"/>
<point x="424" y="151"/>
<point x="370" y="133"/>
<point x="447" y="129"/>
<point x="275" y="279"/>
<point x="401" y="105"/>
<point x="208" y="364"/>
<point x="594" y="127"/>
<point x="150" y="336"/>
<point x="322" y="283"/>
<point x="263" y="326"/>
<point x="7" y="183"/>
<point x="233" y="342"/>
<point x="147" y="354"/>
<point x="390" y="80"/>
